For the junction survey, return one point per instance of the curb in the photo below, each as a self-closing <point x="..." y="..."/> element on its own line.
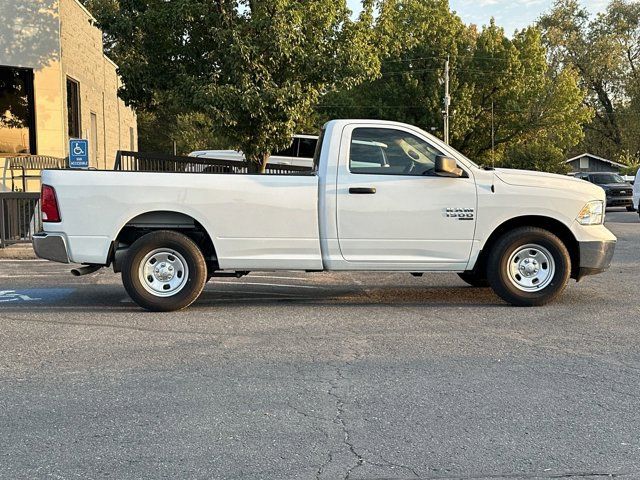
<point x="18" y="252"/>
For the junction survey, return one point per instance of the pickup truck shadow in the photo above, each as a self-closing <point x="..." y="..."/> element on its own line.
<point x="340" y="295"/>
<point x="318" y="291"/>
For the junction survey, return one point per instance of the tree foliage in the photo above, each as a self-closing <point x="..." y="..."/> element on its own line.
<point x="183" y="132"/>
<point x="605" y="52"/>
<point x="248" y="74"/>
<point x="497" y="83"/>
<point x="254" y="68"/>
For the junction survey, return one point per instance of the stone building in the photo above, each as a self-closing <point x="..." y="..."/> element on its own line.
<point x="56" y="84"/>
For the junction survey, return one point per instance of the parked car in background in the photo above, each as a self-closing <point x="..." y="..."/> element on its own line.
<point x="299" y="154"/>
<point x="629" y="178"/>
<point x="619" y="193"/>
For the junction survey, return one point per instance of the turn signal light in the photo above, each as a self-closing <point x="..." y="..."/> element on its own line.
<point x="49" y="204"/>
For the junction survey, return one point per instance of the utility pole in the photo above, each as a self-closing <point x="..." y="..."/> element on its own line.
<point x="493" y="138"/>
<point x="447" y="101"/>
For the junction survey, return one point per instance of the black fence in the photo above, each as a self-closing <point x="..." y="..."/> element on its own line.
<point x="20" y="217"/>
<point x="155" y="162"/>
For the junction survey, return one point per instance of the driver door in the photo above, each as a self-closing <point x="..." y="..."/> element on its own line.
<point x="393" y="211"/>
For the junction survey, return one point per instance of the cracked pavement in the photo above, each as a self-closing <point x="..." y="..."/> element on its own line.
<point x="320" y="376"/>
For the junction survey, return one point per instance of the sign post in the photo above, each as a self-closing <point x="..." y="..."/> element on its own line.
<point x="78" y="153"/>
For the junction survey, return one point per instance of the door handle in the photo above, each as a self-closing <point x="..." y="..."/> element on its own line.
<point x="362" y="190"/>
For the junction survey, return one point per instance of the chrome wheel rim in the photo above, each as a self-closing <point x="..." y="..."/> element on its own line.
<point x="163" y="272"/>
<point x="531" y="268"/>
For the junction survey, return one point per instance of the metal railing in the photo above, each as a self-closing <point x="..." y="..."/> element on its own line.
<point x="20" y="217"/>
<point x="20" y="169"/>
<point x="155" y="162"/>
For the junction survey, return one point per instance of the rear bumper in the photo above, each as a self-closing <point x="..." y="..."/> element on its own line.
<point x="51" y="246"/>
<point x="595" y="257"/>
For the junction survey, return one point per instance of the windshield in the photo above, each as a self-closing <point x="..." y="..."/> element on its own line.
<point x="605" y="178"/>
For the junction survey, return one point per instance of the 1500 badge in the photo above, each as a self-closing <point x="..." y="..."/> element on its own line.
<point x="460" y="213"/>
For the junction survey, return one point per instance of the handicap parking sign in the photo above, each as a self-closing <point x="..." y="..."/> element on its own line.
<point x="78" y="153"/>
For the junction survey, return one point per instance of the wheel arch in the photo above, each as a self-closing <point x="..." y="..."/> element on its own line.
<point x="547" y="223"/>
<point x="154" y="220"/>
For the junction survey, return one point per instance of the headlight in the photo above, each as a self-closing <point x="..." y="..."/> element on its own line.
<point x="592" y="213"/>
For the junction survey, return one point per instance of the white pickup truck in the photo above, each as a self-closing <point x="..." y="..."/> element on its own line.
<point x="412" y="204"/>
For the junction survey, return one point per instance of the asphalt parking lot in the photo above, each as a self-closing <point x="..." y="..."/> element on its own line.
<point x="292" y="376"/>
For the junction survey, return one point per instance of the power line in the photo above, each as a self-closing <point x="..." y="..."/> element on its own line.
<point x="461" y="70"/>
<point x="434" y="57"/>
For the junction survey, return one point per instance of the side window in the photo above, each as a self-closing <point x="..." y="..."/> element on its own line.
<point x="307" y="147"/>
<point x="385" y="151"/>
<point x="289" y="152"/>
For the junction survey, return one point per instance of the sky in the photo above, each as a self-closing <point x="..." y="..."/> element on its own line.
<point x="510" y="14"/>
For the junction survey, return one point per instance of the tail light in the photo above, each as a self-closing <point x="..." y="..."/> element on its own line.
<point x="49" y="204"/>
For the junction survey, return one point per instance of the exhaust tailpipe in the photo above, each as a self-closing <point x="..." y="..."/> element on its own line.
<point x="86" y="270"/>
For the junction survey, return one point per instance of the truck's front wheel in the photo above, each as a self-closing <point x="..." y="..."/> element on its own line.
<point x="164" y="271"/>
<point x="529" y="266"/>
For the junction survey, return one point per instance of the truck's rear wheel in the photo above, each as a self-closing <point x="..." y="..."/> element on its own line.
<point x="474" y="279"/>
<point x="529" y="266"/>
<point x="164" y="271"/>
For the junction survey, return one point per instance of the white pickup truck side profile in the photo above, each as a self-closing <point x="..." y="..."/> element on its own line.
<point x="412" y="204"/>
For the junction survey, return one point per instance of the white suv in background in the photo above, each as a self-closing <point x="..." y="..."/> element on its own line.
<point x="299" y="154"/>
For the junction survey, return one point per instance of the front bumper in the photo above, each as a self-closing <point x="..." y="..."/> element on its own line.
<point x="51" y="246"/>
<point x="595" y="257"/>
<point x="619" y="201"/>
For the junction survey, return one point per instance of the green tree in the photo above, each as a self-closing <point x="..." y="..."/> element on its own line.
<point x="495" y="81"/>
<point x="605" y="52"/>
<point x="254" y="68"/>
<point x="631" y="162"/>
<point x="418" y="35"/>
<point x="510" y="89"/>
<point x="535" y="156"/>
<point x="161" y="131"/>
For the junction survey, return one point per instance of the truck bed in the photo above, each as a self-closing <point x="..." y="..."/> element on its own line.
<point x="257" y="221"/>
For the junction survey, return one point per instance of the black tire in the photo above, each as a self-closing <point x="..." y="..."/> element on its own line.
<point x="473" y="279"/>
<point x="498" y="267"/>
<point x="631" y="208"/>
<point x="184" y="250"/>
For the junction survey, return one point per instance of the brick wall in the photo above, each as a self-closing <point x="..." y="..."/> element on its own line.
<point x="58" y="39"/>
<point x="83" y="61"/>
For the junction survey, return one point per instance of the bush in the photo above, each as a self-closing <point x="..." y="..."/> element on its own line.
<point x="531" y="156"/>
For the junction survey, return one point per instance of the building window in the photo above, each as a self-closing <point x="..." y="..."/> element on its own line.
<point x="17" y="115"/>
<point x="73" y="108"/>
<point x="584" y="163"/>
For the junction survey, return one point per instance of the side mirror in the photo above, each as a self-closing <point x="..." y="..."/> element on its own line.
<point x="447" y="167"/>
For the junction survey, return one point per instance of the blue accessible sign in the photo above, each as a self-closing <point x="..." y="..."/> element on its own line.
<point x="78" y="154"/>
